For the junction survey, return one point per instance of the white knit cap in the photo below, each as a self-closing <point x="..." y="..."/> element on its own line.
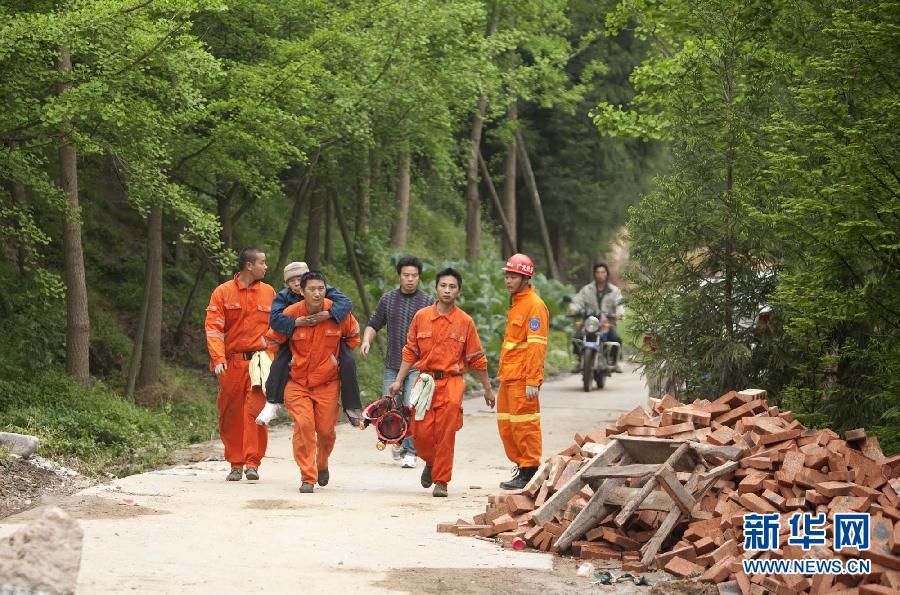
<point x="295" y="269"/>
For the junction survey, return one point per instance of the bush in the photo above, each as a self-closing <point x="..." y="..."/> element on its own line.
<point x="95" y="430"/>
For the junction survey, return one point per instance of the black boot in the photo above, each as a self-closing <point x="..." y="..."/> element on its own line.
<point x="520" y="480"/>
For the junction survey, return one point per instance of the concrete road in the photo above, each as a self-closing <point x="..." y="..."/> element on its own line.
<point x="372" y="529"/>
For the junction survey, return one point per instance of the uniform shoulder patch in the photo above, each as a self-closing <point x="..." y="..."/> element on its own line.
<point x="534" y="324"/>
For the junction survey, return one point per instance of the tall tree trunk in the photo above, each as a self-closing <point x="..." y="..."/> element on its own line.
<point x="329" y="228"/>
<point x="363" y="195"/>
<point x="314" y="232"/>
<point x="504" y="224"/>
<point x="223" y="209"/>
<point x="509" y="185"/>
<point x="473" y="201"/>
<point x="290" y="231"/>
<point x="150" y="357"/>
<point x="78" y="322"/>
<point x="561" y="248"/>
<point x="351" y="255"/>
<point x="398" y="238"/>
<point x="189" y="304"/>
<point x="536" y="202"/>
<point x="137" y="350"/>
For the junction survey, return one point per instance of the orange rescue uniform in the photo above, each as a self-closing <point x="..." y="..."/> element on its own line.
<point x="312" y="392"/>
<point x="444" y="345"/>
<point x="522" y="364"/>
<point x="236" y="321"/>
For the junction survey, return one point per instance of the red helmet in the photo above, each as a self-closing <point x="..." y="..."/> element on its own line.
<point x="521" y="264"/>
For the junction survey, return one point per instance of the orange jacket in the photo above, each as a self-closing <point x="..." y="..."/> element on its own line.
<point x="315" y="349"/>
<point x="446" y="342"/>
<point x="525" y="342"/>
<point x="237" y="318"/>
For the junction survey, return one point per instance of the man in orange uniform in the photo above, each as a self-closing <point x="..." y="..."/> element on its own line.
<point x="443" y="342"/>
<point x="236" y="320"/>
<point x="522" y="372"/>
<point x="312" y="392"/>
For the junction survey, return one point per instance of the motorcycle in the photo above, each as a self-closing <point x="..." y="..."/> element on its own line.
<point x="598" y="354"/>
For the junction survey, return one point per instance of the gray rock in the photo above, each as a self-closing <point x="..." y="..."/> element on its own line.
<point x="21" y="444"/>
<point x="44" y="556"/>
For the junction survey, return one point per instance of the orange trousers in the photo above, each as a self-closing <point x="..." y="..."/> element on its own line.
<point x="519" y="422"/>
<point x="239" y="404"/>
<point x="315" y="413"/>
<point x="435" y="436"/>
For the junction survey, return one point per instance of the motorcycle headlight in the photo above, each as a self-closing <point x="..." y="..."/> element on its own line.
<point x="592" y="324"/>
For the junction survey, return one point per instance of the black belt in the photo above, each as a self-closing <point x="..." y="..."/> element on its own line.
<point x="441" y="374"/>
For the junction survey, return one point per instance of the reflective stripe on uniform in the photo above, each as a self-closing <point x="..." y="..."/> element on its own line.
<point x="537" y="339"/>
<point x="518" y="418"/>
<point x="215" y="334"/>
<point x="511" y="345"/>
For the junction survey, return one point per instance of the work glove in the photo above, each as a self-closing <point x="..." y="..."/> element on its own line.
<point x="531" y="392"/>
<point x="267" y="414"/>
<point x="220" y="368"/>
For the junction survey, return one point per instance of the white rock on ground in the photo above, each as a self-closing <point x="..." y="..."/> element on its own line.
<point x="44" y="556"/>
<point x="21" y="444"/>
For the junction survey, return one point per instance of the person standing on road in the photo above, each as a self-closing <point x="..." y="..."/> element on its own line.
<point x="600" y="297"/>
<point x="311" y="394"/>
<point x="521" y="372"/>
<point x="442" y="342"/>
<point x="396" y="308"/>
<point x="236" y="321"/>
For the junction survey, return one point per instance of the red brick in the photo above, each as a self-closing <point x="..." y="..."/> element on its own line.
<point x="876" y="590"/>
<point x="682" y="568"/>
<point x="832" y="489"/>
<point x="519" y="504"/>
<point x="686" y="552"/>
<point x="756" y="504"/>
<point x="854" y="435"/>
<point x="704" y="546"/>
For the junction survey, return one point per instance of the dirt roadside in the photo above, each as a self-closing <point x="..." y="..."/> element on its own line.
<point x="184" y="529"/>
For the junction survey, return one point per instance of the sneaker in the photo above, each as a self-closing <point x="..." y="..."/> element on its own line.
<point x="235" y="474"/>
<point x="397" y="452"/>
<point x="426" y="477"/>
<point x="252" y="473"/>
<point x="306" y="488"/>
<point x="324" y="476"/>
<point x="409" y="461"/>
<point x="440" y="490"/>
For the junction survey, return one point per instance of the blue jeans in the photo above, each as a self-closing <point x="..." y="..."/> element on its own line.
<point x="390" y="375"/>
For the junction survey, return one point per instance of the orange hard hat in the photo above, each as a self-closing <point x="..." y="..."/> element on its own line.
<point x="521" y="264"/>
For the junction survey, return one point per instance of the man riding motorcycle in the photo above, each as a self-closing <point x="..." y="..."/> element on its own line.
<point x="599" y="297"/>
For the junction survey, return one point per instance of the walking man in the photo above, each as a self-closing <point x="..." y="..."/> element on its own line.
<point x="443" y="342"/>
<point x="521" y="372"/>
<point x="396" y="308"/>
<point x="311" y="394"/>
<point x="236" y="321"/>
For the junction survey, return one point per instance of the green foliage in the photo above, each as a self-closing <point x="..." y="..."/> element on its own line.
<point x="94" y="429"/>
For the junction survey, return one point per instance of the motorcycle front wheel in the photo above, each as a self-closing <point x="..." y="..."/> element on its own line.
<point x="587" y="369"/>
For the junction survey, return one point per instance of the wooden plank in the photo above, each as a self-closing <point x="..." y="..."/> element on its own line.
<point x="656" y="500"/>
<point x="620" y="471"/>
<point x="651" y="548"/>
<point x="534" y="484"/>
<point x="561" y="498"/>
<point x="669" y="482"/>
<point x="633" y="504"/>
<point x="592" y="513"/>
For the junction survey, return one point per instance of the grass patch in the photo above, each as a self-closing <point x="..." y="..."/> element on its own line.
<point x="95" y="430"/>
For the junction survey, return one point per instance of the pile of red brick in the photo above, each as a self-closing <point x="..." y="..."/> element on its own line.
<point x="781" y="467"/>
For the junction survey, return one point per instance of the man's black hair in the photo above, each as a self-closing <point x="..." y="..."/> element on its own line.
<point x="248" y="255"/>
<point x="448" y="272"/>
<point x="311" y="276"/>
<point x="601" y="264"/>
<point x="409" y="261"/>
